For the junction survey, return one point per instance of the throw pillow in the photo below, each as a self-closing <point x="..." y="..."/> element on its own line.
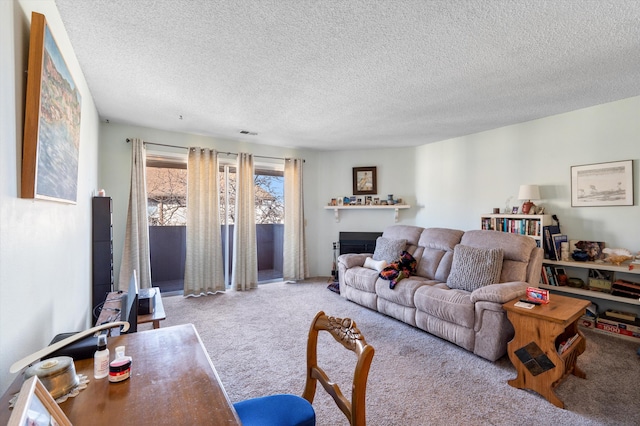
<point x="388" y="249"/>
<point x="473" y="267"/>
<point x="378" y="265"/>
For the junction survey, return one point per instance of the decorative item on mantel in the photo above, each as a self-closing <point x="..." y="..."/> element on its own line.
<point x="528" y="192"/>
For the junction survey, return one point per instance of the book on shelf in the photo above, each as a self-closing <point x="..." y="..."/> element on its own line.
<point x="557" y="240"/>
<point x="551" y="275"/>
<point x="548" y="231"/>
<point x="544" y="279"/>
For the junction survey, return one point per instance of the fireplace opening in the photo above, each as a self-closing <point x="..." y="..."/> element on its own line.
<point x="358" y="242"/>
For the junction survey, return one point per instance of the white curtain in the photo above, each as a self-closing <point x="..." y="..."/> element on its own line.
<point x="135" y="255"/>
<point x="294" y="251"/>
<point x="203" y="264"/>
<point x="244" y="274"/>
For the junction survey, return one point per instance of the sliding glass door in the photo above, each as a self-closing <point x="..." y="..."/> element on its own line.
<point x="167" y="201"/>
<point x="269" y="205"/>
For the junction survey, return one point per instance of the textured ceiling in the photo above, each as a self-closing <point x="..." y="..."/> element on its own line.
<point x="346" y="74"/>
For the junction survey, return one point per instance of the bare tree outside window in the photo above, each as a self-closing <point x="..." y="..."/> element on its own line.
<point x="269" y="202"/>
<point x="167" y="196"/>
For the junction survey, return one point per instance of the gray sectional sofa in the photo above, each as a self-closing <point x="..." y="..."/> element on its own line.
<point x="458" y="287"/>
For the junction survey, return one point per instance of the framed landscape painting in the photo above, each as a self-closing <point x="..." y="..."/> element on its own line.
<point x="51" y="143"/>
<point x="602" y="184"/>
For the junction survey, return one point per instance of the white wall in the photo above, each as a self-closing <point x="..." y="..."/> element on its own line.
<point x="459" y="179"/>
<point x="395" y="169"/>
<point x="45" y="247"/>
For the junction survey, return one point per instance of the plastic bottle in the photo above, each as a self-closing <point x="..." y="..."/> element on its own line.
<point x="101" y="359"/>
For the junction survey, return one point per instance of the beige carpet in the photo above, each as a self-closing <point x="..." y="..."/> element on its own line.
<point x="257" y="340"/>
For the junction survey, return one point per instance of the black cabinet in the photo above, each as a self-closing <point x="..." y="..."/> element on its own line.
<point x="102" y="256"/>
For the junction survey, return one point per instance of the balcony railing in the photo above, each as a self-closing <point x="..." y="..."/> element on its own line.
<point x="167" y="245"/>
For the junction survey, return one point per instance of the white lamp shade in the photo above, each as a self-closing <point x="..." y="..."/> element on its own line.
<point x="529" y="192"/>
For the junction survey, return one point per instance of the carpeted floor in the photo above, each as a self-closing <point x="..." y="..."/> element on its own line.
<point x="257" y="340"/>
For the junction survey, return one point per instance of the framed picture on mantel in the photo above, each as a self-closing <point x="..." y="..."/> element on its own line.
<point x="364" y="181"/>
<point x="602" y="184"/>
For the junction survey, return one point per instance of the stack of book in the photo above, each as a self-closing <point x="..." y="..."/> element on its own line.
<point x="624" y="288"/>
<point x="552" y="275"/>
<point x="553" y="240"/>
<point x="618" y="322"/>
<point x="549" y="245"/>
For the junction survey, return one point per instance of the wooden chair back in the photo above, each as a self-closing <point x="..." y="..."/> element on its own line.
<point x="344" y="331"/>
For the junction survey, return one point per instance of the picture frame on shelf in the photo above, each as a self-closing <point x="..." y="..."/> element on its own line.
<point x="365" y="181"/>
<point x="35" y="405"/>
<point x="602" y="184"/>
<point x="53" y="104"/>
<point x="514" y="210"/>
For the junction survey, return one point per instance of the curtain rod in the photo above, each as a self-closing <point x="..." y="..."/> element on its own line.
<point x="226" y="153"/>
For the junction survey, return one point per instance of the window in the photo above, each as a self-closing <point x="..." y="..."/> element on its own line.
<point x="167" y="213"/>
<point x="166" y="191"/>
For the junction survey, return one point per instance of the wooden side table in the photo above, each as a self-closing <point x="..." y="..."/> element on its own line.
<point x="158" y="313"/>
<point x="534" y="348"/>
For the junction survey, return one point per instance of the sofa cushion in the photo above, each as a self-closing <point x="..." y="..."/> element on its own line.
<point x="403" y="232"/>
<point x="436" y="252"/>
<point x="377" y="265"/>
<point x="474" y="267"/>
<point x="363" y="279"/>
<point x="403" y="293"/>
<point x="388" y="249"/>
<point x="517" y="251"/>
<point x="453" y="306"/>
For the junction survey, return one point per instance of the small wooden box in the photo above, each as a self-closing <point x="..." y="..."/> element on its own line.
<point x="600" y="285"/>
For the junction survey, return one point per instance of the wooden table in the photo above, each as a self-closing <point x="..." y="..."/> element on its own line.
<point x="172" y="382"/>
<point x="534" y="348"/>
<point x="158" y="313"/>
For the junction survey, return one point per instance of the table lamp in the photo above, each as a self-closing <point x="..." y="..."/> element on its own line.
<point x="528" y="193"/>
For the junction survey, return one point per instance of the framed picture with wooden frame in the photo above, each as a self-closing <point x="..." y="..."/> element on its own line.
<point x="50" y="151"/>
<point x="365" y="181"/>
<point x="35" y="406"/>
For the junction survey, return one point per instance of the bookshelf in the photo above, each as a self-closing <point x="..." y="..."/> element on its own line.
<point x="523" y="224"/>
<point x="603" y="299"/>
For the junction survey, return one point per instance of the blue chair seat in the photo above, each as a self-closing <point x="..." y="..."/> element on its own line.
<point x="276" y="410"/>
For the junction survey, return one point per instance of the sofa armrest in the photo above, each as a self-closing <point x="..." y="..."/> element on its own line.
<point x="350" y="260"/>
<point x="500" y="293"/>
